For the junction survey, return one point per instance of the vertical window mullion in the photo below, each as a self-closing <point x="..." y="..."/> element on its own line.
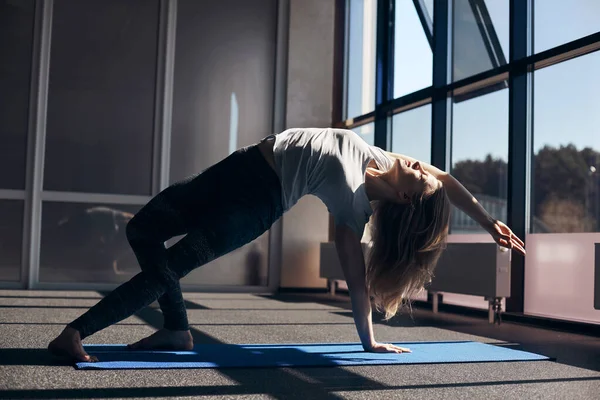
<point x="440" y="111"/>
<point x="384" y="82"/>
<point x="519" y="142"/>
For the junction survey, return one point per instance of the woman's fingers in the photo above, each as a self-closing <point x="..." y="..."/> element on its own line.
<point x="520" y="249"/>
<point x="509" y="242"/>
<point x="508" y="239"/>
<point x="518" y="240"/>
<point x="399" y="349"/>
<point x="390" y="348"/>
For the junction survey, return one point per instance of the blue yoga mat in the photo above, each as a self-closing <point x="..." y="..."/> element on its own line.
<point x="298" y="355"/>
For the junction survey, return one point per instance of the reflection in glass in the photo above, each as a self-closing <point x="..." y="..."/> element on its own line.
<point x="480" y="156"/>
<point x="559" y="22"/>
<point x="411" y="133"/>
<point x="413" y="59"/>
<point x="101" y="96"/>
<point x="86" y="243"/>
<point x="360" y="64"/>
<point x="11" y="237"/>
<point x="480" y="36"/>
<point x="16" y="39"/>
<point x="429" y="7"/>
<point x="566" y="164"/>
<point x="223" y="84"/>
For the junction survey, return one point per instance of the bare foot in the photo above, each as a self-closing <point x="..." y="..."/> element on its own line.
<point x="68" y="345"/>
<point x="165" y="340"/>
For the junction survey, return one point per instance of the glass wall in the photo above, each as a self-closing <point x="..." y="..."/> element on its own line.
<point x="565" y="202"/>
<point x="16" y="39"/>
<point x="413" y="58"/>
<point x="553" y="99"/>
<point x="86" y="242"/>
<point x="367" y="132"/>
<point x="360" y="61"/>
<point x="411" y="133"/>
<point x="223" y="100"/>
<point x="11" y="236"/>
<point x="101" y="96"/>
<point x="16" y="46"/>
<point x="566" y="145"/>
<point x="559" y="22"/>
<point x="99" y="136"/>
<point x="106" y="82"/>
<point x="479" y="36"/>
<point x="480" y="156"/>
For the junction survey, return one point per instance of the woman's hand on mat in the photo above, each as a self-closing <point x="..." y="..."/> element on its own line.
<point x="506" y="238"/>
<point x="386" y="348"/>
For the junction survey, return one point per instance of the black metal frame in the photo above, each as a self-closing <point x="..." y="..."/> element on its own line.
<point x="518" y="75"/>
<point x="519" y="143"/>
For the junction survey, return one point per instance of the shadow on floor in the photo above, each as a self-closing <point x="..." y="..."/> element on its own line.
<point x="311" y="391"/>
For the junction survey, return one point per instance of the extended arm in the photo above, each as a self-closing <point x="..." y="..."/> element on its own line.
<point x="352" y="260"/>
<point x="461" y="198"/>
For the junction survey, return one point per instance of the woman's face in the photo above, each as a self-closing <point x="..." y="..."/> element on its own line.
<point x="409" y="178"/>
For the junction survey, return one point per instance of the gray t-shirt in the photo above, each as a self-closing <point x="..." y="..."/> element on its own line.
<point x="330" y="164"/>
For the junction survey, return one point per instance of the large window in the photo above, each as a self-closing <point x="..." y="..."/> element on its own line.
<point x="559" y="22"/>
<point x="11" y="234"/>
<point x="470" y="120"/>
<point x="16" y="38"/>
<point x="101" y="97"/>
<point x="411" y="133"/>
<point x="360" y="62"/>
<point x="86" y="242"/>
<point x="413" y="59"/>
<point x="566" y="166"/>
<point x="222" y="105"/>
<point x="565" y="201"/>
<point x="480" y="36"/>
<point x="480" y="155"/>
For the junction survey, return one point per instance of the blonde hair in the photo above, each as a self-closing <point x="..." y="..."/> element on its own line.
<point x="406" y="242"/>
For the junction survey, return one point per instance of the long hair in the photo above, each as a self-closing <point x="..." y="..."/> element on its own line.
<point x="406" y="243"/>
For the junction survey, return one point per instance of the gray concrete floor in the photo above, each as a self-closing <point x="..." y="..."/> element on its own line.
<point x="30" y="319"/>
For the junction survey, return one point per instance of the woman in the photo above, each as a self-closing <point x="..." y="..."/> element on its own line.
<point x="236" y="200"/>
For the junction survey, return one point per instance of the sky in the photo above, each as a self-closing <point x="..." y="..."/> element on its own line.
<point x="565" y="95"/>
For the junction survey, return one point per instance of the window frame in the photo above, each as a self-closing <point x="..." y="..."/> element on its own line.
<point x="516" y="74"/>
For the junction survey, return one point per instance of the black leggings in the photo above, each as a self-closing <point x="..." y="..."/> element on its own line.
<point x="223" y="208"/>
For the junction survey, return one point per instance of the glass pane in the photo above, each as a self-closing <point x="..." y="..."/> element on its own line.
<point x="11" y="239"/>
<point x="101" y="96"/>
<point x="86" y="243"/>
<point x="480" y="156"/>
<point x="411" y="133"/>
<point x="362" y="39"/>
<point x="247" y="265"/>
<point x="480" y="36"/>
<point x="559" y="22"/>
<point x="222" y="105"/>
<point x="566" y="165"/>
<point x="559" y="276"/>
<point x="429" y="6"/>
<point x="559" y="268"/>
<point x="16" y="41"/>
<point x="227" y="103"/>
<point x="413" y="58"/>
<point x="367" y="132"/>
